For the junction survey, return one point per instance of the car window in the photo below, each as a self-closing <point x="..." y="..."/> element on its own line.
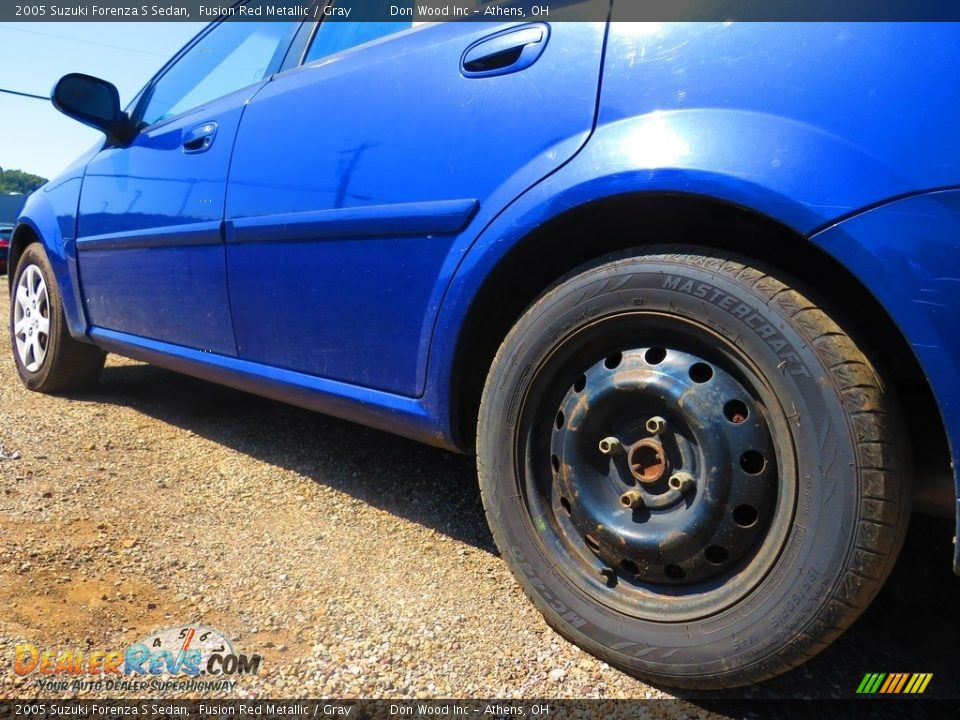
<point x="232" y="55"/>
<point x="334" y="35"/>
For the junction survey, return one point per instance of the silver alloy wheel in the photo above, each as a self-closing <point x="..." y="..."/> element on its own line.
<point x="31" y="318"/>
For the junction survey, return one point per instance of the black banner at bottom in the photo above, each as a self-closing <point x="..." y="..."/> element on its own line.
<point x="483" y="709"/>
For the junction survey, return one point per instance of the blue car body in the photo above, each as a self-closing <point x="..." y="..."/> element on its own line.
<point x="367" y="203"/>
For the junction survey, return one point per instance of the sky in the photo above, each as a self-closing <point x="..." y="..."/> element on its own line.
<point x="33" y="56"/>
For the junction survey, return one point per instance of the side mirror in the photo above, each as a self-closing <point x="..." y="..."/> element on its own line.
<point x="93" y="102"/>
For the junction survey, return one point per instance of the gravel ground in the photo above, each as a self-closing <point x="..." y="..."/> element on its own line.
<point x="357" y="563"/>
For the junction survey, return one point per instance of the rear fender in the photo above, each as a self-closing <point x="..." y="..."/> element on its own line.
<point x="769" y="165"/>
<point x="907" y="253"/>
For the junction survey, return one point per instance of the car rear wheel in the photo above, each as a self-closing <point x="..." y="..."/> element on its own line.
<point x="47" y="358"/>
<point x="690" y="468"/>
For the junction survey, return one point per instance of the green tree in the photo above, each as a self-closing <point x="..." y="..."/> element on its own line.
<point x="18" y="181"/>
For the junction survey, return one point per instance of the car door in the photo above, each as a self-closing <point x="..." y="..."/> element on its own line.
<point x="359" y="179"/>
<point x="149" y="241"/>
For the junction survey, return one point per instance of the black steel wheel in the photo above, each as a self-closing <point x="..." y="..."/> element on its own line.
<point x="659" y="496"/>
<point x="687" y="465"/>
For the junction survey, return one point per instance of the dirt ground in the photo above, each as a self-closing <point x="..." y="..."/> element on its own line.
<point x="355" y="562"/>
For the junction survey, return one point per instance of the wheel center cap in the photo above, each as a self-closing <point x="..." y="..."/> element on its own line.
<point x="648" y="462"/>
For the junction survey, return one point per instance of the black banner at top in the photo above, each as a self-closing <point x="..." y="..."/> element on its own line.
<point x="477" y="10"/>
<point x="467" y="709"/>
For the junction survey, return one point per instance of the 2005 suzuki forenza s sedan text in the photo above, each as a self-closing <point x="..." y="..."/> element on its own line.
<point x="690" y="291"/>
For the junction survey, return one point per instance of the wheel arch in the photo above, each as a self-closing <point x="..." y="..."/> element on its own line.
<point x="23" y="235"/>
<point x="596" y="229"/>
<point x="39" y="224"/>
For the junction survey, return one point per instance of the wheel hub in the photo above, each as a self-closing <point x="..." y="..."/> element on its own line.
<point x="664" y="468"/>
<point x="31" y="318"/>
<point x="647" y="460"/>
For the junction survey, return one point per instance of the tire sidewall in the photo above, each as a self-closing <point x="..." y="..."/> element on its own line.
<point x="820" y="536"/>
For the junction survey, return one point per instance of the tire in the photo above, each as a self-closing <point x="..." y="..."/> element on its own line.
<point x="690" y="468"/>
<point x="50" y="361"/>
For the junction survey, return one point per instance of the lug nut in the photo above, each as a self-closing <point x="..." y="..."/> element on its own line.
<point x="656" y="425"/>
<point x="681" y="482"/>
<point x="631" y="499"/>
<point x="610" y="445"/>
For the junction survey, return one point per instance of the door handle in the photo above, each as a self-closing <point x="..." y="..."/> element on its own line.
<point x="505" y="52"/>
<point x="200" y="138"/>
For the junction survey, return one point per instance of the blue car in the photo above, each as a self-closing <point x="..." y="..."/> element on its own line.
<point x="689" y="291"/>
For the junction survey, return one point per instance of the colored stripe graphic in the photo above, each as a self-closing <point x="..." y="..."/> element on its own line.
<point x="914" y="682"/>
<point x="894" y="683"/>
<point x="891" y="680"/>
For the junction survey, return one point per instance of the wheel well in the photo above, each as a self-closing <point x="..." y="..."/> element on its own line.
<point x="623" y="222"/>
<point x="22" y="236"/>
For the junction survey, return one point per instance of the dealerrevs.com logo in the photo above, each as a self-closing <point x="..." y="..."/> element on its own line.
<point x="183" y="658"/>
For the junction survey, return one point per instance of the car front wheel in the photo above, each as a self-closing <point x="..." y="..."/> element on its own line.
<point x="690" y="468"/>
<point x="48" y="359"/>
